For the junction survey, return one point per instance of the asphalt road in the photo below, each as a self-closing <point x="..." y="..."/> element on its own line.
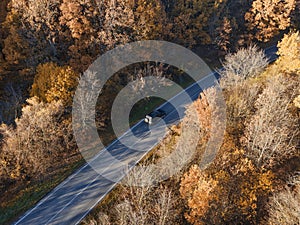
<point x="73" y="199"/>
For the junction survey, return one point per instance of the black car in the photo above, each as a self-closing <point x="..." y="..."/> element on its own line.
<point x="159" y="113"/>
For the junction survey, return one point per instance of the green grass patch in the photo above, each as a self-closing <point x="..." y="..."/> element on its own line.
<point x="145" y="106"/>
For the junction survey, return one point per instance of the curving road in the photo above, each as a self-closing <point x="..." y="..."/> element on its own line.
<point x="73" y="199"/>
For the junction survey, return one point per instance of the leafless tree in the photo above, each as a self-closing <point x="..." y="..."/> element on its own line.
<point x="270" y="134"/>
<point x="246" y="62"/>
<point x="143" y="203"/>
<point x="156" y="71"/>
<point x="239" y="91"/>
<point x="39" y="137"/>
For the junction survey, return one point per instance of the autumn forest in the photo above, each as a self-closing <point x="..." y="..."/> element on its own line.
<point x="45" y="47"/>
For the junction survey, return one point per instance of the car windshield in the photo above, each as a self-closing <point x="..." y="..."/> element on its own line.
<point x="154" y="114"/>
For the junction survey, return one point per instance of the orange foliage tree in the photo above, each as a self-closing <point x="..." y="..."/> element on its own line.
<point x="267" y="18"/>
<point x="84" y="21"/>
<point x="196" y="188"/>
<point x="231" y="191"/>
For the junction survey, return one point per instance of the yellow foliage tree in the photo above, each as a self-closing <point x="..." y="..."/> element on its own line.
<point x="289" y="53"/>
<point x="53" y="82"/>
<point x="151" y="20"/>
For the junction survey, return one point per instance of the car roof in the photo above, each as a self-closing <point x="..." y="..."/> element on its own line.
<point x="157" y="112"/>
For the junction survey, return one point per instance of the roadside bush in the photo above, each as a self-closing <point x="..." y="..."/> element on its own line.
<point x="240" y="90"/>
<point x="240" y="100"/>
<point x="137" y="203"/>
